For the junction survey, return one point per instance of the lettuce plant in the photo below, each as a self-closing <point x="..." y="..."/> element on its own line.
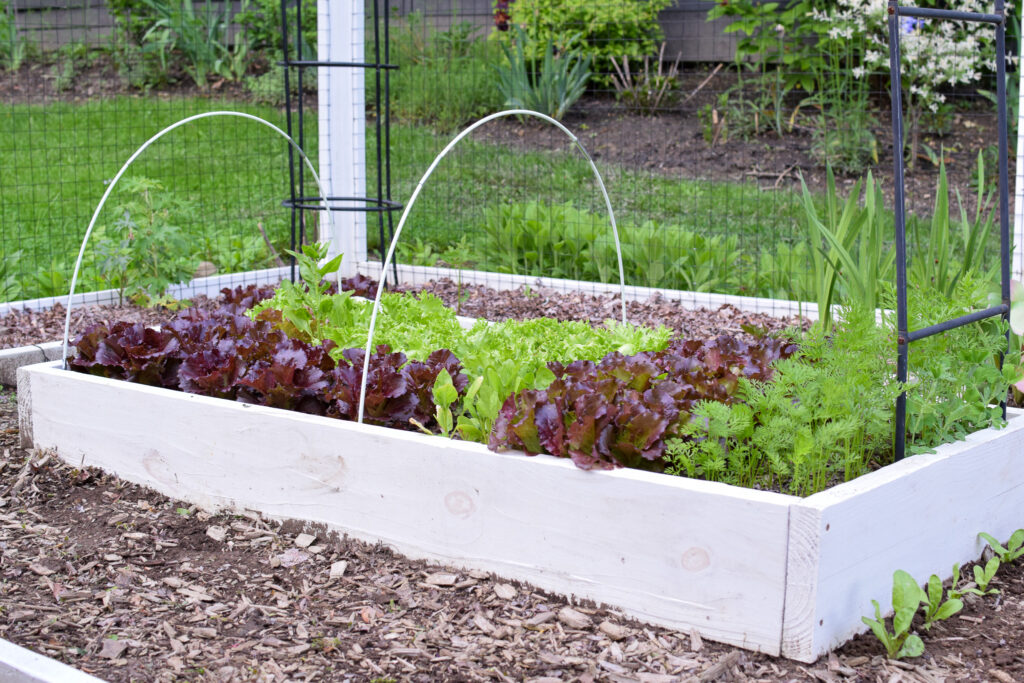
<point x="906" y="597"/>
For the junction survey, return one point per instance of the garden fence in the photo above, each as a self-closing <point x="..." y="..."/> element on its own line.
<point x="703" y="143"/>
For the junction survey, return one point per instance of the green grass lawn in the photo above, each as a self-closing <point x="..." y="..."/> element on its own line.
<point x="476" y="175"/>
<point x="55" y="161"/>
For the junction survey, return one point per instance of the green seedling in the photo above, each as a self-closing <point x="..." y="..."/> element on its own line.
<point x="906" y="597"/>
<point x="956" y="590"/>
<point x="935" y="609"/>
<point x="983" y="576"/>
<point x="445" y="394"/>
<point x="1014" y="547"/>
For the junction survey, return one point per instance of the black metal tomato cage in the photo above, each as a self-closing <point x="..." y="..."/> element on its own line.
<point x="382" y="204"/>
<point x="905" y="336"/>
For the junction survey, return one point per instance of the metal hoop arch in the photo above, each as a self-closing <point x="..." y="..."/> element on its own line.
<point x="415" y="195"/>
<point x="133" y="157"/>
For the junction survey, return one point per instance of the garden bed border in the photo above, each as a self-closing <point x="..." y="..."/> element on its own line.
<point x="757" y="569"/>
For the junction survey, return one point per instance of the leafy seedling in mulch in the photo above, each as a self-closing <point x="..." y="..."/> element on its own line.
<point x="1014" y="547"/>
<point x="935" y="609"/>
<point x="906" y="597"/>
<point x="958" y="591"/>
<point x="984" y="575"/>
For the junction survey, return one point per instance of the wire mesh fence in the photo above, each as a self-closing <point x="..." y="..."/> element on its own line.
<point x="706" y="120"/>
<point x="83" y="86"/>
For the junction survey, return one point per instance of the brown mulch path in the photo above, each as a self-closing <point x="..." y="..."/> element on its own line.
<point x="126" y="584"/>
<point x="20" y="328"/>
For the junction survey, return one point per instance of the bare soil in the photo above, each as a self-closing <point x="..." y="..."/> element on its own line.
<point x="673" y="143"/>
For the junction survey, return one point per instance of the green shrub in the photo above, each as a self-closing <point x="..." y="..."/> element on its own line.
<point x="560" y="240"/>
<point x="262" y="22"/>
<point x="600" y="30"/>
<point x="13" y="47"/>
<point x="200" y="35"/>
<point x="132" y="18"/>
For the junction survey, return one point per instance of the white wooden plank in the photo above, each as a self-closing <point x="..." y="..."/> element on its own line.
<point x="801" y="583"/>
<point x="667" y="550"/>
<point x="921" y="515"/>
<point x="210" y="286"/>
<point x="21" y="665"/>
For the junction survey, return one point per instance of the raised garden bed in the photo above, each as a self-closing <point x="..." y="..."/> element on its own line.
<point x="766" y="571"/>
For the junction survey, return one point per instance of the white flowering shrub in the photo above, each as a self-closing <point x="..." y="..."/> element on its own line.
<point x="935" y="54"/>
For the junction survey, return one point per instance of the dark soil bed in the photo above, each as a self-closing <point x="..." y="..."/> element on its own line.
<point x="20" y="328"/>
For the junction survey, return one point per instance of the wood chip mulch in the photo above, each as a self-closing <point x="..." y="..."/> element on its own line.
<point x="128" y="585"/>
<point x="21" y="328"/>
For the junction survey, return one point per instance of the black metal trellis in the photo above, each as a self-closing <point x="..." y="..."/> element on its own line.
<point x="382" y="204"/>
<point x="905" y="336"/>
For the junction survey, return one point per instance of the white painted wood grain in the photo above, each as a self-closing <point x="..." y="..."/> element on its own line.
<point x="342" y="129"/>
<point x="920" y="515"/>
<point x="667" y="550"/>
<point x="756" y="569"/>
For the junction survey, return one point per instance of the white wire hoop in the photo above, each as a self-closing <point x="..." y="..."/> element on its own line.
<point x="134" y="156"/>
<point x="415" y="195"/>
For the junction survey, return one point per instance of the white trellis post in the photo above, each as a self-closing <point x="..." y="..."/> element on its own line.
<point x="342" y="124"/>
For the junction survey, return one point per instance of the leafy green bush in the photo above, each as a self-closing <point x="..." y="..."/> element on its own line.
<point x="200" y="35"/>
<point x="560" y="240"/>
<point x="550" y="87"/>
<point x="143" y="252"/>
<point x="468" y="83"/>
<point x="262" y="22"/>
<point x="132" y="18"/>
<point x="599" y="30"/>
